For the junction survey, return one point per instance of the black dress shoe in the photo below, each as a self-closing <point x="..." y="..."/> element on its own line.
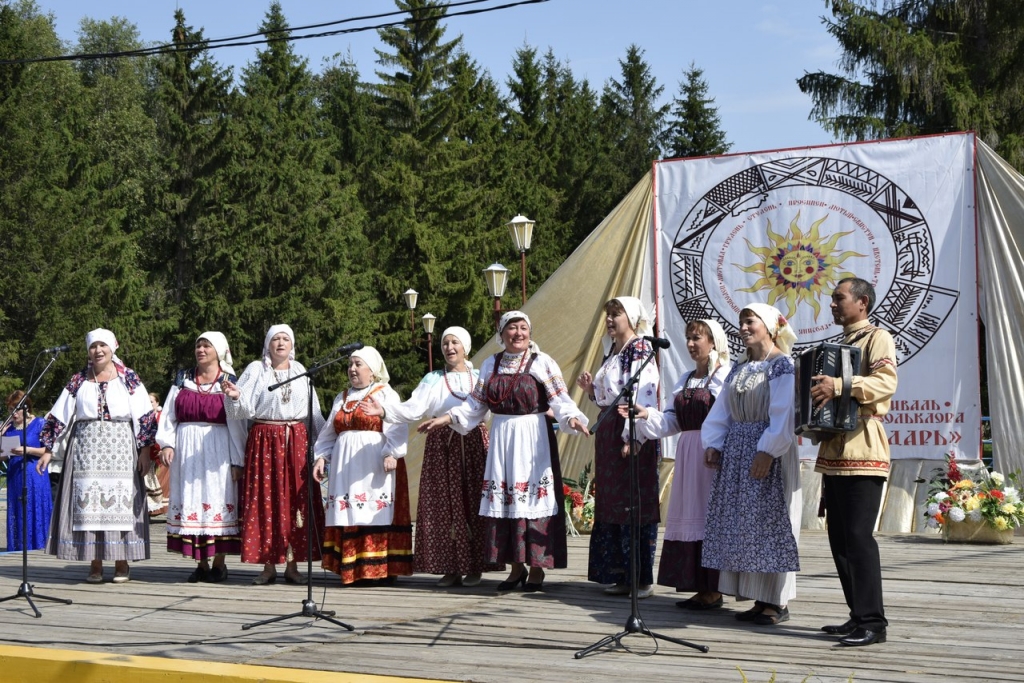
<point x="509" y="585"/>
<point x="862" y="636"/>
<point x="841" y="629"/>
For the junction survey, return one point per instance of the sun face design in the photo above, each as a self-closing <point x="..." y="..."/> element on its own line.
<point x="798" y="267"/>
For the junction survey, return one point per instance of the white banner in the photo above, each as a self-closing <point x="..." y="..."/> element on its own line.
<point x="784" y="227"/>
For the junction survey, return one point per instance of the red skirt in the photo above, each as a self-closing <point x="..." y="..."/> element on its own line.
<point x="274" y="496"/>
<point x="373" y="552"/>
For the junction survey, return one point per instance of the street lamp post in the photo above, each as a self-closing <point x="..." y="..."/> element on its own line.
<point x="496" y="276"/>
<point x="410" y="301"/>
<point x="428" y="327"/>
<point x="521" y="229"/>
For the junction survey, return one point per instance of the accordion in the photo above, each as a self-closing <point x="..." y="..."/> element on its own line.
<point x="839" y="414"/>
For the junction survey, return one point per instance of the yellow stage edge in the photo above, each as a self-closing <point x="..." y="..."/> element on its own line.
<point x="20" y="664"/>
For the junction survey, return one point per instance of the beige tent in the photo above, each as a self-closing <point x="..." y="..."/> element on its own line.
<point x="614" y="260"/>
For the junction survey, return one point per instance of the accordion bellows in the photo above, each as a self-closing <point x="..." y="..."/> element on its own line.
<point x="839" y="414"/>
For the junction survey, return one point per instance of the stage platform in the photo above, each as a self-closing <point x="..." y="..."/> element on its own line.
<point x="956" y="611"/>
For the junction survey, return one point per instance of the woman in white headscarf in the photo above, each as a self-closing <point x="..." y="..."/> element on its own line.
<point x="100" y="511"/>
<point x="205" y="451"/>
<point x="753" y="518"/>
<point x="625" y="322"/>
<point x="522" y="484"/>
<point x="369" y="525"/>
<point x="276" y="516"/>
<point x="693" y="397"/>
<point x="449" y="528"/>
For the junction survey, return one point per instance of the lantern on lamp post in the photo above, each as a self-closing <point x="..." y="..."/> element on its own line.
<point x="428" y="327"/>
<point x="410" y="301"/>
<point x="496" y="277"/>
<point x="521" y="229"/>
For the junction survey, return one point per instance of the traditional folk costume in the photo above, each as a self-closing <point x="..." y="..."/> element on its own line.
<point x="369" y="525"/>
<point x="38" y="503"/>
<point x="276" y="516"/>
<point x="522" y="497"/>
<point x="682" y="544"/>
<point x="449" y="528"/>
<point x="100" y="510"/>
<point x="753" y="525"/>
<point x="203" y="511"/>
<point x="610" y="538"/>
<point x="855" y="466"/>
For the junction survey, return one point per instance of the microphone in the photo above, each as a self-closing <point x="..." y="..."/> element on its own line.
<point x="57" y="349"/>
<point x="658" y="342"/>
<point x="347" y="349"/>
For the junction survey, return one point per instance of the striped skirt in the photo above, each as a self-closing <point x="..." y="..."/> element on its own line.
<point x="373" y="552"/>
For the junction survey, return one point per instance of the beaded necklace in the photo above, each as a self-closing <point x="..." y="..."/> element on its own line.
<point x="461" y="397"/>
<point x="354" y="408"/>
<point x="212" y="384"/>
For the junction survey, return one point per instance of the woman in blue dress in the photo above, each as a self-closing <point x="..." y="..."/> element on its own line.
<point x="39" y="504"/>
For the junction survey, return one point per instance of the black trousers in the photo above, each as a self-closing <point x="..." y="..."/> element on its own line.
<point x="851" y="507"/>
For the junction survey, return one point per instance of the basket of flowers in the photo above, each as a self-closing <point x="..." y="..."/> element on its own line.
<point x="579" y="503"/>
<point x="983" y="509"/>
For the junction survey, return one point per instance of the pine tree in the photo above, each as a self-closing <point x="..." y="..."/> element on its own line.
<point x="632" y="124"/>
<point x="35" y="208"/>
<point x="293" y="249"/>
<point x="193" y="109"/>
<point x="695" y="128"/>
<point x="933" y="66"/>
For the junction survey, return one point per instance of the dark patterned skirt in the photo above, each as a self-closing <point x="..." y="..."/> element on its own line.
<point x="449" y="528"/>
<point x="610" y="558"/>
<point x="373" y="552"/>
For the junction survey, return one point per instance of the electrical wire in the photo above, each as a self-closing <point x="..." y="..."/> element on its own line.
<point x="273" y="36"/>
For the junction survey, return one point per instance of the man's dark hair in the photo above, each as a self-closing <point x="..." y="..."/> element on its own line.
<point x="859" y="288"/>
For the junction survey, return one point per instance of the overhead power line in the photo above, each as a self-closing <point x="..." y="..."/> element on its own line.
<point x="263" y="37"/>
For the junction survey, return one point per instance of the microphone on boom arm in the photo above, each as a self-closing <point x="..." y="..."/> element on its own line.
<point x="658" y="342"/>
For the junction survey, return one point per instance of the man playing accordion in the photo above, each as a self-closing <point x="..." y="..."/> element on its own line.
<point x="855" y="464"/>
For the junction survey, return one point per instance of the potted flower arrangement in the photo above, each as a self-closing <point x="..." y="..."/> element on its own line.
<point x="983" y="510"/>
<point x="579" y="502"/>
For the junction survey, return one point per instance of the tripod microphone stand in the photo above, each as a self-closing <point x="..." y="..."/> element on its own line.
<point x="634" y="623"/>
<point x="25" y="590"/>
<point x="309" y="607"/>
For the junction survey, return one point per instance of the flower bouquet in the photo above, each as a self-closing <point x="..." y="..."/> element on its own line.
<point x="579" y="503"/>
<point x="986" y="510"/>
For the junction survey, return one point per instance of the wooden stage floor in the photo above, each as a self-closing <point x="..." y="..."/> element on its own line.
<point x="955" y="612"/>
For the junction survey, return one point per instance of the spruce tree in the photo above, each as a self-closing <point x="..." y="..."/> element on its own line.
<point x="695" y="128"/>
<point x="911" y="68"/>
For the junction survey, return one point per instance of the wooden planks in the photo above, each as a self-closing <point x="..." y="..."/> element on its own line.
<point x="953" y="608"/>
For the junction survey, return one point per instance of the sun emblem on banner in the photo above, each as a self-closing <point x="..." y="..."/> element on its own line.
<point x="798" y="267"/>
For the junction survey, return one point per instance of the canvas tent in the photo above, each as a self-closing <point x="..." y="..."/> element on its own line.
<point x="620" y="258"/>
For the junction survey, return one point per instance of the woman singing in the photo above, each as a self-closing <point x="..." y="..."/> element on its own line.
<point x="100" y="511"/>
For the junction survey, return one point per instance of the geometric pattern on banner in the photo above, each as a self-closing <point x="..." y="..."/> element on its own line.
<point x="802" y="264"/>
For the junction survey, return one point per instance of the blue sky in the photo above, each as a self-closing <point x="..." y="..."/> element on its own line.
<point x="751" y="51"/>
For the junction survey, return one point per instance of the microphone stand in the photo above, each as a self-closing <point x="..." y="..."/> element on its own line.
<point x="634" y="623"/>
<point x="25" y="590"/>
<point x="309" y="607"/>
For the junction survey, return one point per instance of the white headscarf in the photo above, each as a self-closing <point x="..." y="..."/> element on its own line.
<point x="271" y="333"/>
<point x="720" y="350"/>
<point x="220" y="345"/>
<point x="107" y="337"/>
<point x="639" y="320"/>
<point x="517" y="315"/>
<point x="462" y="334"/>
<point x="779" y="328"/>
<point x="371" y="357"/>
